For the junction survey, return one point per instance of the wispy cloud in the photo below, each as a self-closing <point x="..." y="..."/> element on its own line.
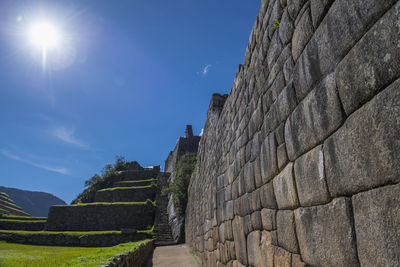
<point x="46" y="167"/>
<point x="205" y="70"/>
<point x="201" y="132"/>
<point x="68" y="136"/>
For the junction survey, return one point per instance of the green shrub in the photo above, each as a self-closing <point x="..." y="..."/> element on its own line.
<point x="109" y="175"/>
<point x="179" y="187"/>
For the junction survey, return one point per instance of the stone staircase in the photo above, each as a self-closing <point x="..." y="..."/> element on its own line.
<point x="162" y="230"/>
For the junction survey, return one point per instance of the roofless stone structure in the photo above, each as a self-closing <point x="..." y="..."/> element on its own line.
<point x="300" y="164"/>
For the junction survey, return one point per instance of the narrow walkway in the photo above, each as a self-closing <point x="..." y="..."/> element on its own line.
<point x="172" y="256"/>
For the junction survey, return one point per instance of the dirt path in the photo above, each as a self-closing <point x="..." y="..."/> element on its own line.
<point x="172" y="256"/>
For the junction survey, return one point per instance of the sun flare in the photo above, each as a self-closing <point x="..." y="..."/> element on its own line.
<point x="44" y="35"/>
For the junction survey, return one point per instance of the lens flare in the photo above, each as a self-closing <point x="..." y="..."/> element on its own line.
<point x="44" y="35"/>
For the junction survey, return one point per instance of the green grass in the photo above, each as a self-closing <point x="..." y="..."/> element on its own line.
<point x="22" y="221"/>
<point x="17" y="255"/>
<point x="126" y="188"/>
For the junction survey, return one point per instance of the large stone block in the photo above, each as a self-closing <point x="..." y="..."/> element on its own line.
<point x="318" y="10"/>
<point x="285" y="189"/>
<point x="365" y="151"/>
<point x="254" y="249"/>
<point x="325" y="234"/>
<point x="268" y="218"/>
<point x="282" y="258"/>
<point x="310" y="178"/>
<point x="286" y="28"/>
<point x="377" y="224"/>
<point x="249" y="177"/>
<point x="268" y="245"/>
<point x="268" y="162"/>
<point x="344" y="24"/>
<point x="314" y="119"/>
<point x="240" y="239"/>
<point x="372" y="64"/>
<point x="267" y="196"/>
<point x="286" y="231"/>
<point x="285" y="104"/>
<point x="302" y="34"/>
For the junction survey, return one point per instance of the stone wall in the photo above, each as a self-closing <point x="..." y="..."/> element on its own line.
<point x="126" y="194"/>
<point x="135" y="258"/>
<point x="100" y="217"/>
<point x="300" y="164"/>
<point x="185" y="145"/>
<point x="73" y="240"/>
<point x="34" y="225"/>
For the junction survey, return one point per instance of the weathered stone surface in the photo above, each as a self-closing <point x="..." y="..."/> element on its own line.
<point x="302" y="34"/>
<point x="296" y="261"/>
<point x="286" y="28"/>
<point x="240" y="239"/>
<point x="325" y="234"/>
<point x="268" y="162"/>
<point x="280" y="134"/>
<point x="282" y="258"/>
<point x="286" y="231"/>
<point x="257" y="172"/>
<point x="255" y="201"/>
<point x="288" y="69"/>
<point x="294" y="7"/>
<point x="275" y="16"/>
<point x="365" y="151"/>
<point x="268" y="218"/>
<point x="314" y="119"/>
<point x="249" y="177"/>
<point x="282" y="156"/>
<point x="344" y="24"/>
<point x="372" y="64"/>
<point x="268" y="243"/>
<point x="285" y="189"/>
<point x="377" y="224"/>
<point x="318" y="10"/>
<point x="274" y="50"/>
<point x="267" y="196"/>
<point x="256" y="220"/>
<point x="310" y="178"/>
<point x="285" y="103"/>
<point x="254" y="249"/>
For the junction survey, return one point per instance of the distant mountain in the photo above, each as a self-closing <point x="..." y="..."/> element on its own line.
<point x="34" y="203"/>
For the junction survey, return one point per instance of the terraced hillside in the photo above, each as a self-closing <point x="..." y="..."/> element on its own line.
<point x="8" y="206"/>
<point x="123" y="212"/>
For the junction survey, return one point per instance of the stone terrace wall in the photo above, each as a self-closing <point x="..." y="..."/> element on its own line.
<point x="100" y="217"/>
<point x="301" y="164"/>
<point x="126" y="195"/>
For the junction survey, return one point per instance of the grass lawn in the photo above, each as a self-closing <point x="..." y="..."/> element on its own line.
<point x="17" y="255"/>
<point x="127" y="188"/>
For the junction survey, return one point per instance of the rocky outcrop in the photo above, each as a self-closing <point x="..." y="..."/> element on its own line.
<point x="299" y="165"/>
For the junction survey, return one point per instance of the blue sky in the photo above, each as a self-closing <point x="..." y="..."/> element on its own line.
<point x="125" y="79"/>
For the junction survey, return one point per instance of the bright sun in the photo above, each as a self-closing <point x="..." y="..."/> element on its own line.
<point x="44" y="35"/>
